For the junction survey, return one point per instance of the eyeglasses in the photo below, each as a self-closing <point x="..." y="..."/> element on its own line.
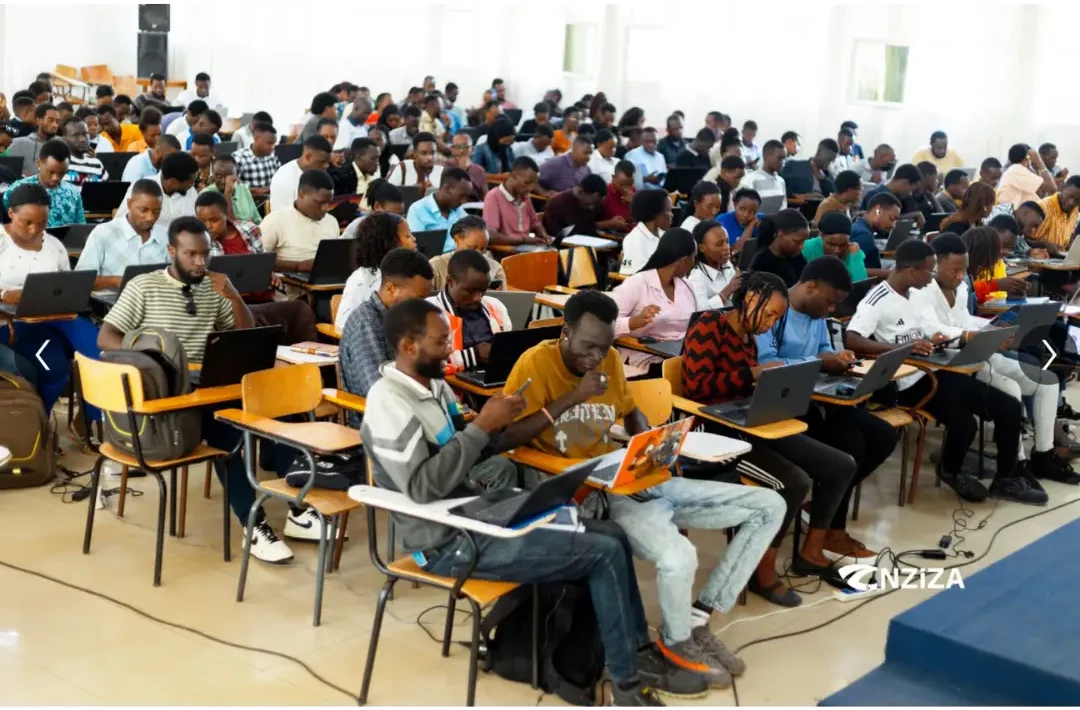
<point x="191" y="310"/>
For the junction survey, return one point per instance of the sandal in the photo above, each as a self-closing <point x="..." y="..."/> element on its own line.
<point x="828" y="574"/>
<point x="789" y="598"/>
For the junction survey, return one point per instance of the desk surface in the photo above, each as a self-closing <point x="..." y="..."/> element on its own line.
<point x="552" y="300"/>
<point x="319" y="437"/>
<point x="460" y="384"/>
<point x="931" y="367"/>
<point x="776" y="430"/>
<point x="199" y="398"/>
<point x="311" y="287"/>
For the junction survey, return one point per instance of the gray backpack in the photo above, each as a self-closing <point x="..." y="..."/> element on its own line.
<point x="159" y="357"/>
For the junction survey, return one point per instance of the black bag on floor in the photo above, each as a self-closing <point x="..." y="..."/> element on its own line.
<point x="336" y="473"/>
<point x="571" y="655"/>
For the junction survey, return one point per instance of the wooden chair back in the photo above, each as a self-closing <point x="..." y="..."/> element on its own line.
<point x="545" y="322"/>
<point x="653" y="398"/>
<point x="65" y="70"/>
<point x="282" y="391"/>
<point x="97" y="74"/>
<point x="335" y="304"/>
<point x="126" y="84"/>
<point x="102" y="384"/>
<point x="578" y="266"/>
<point x="532" y="271"/>
<point x="672" y="371"/>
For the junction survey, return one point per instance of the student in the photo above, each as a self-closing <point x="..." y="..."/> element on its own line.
<point x="603" y="160"/>
<point x="650" y="166"/>
<point x="508" y="209"/>
<point x="879" y="167"/>
<point x="568" y="170"/>
<point x="696" y="154"/>
<point x="26" y="249"/>
<point x="1061" y="212"/>
<point x="720" y="363"/>
<point x="885" y="318"/>
<point x="988" y="276"/>
<point x="468" y="233"/>
<point x="751" y="151"/>
<point x="923" y="195"/>
<point x="851" y="430"/>
<point x="228" y="235"/>
<point x="704" y="204"/>
<point x="285" y="183"/>
<point x="202" y="149"/>
<point x="496" y="154"/>
<point x="403" y="274"/>
<point x="1018" y="229"/>
<point x="845" y="197"/>
<point x="727" y="175"/>
<point x="294" y="231"/>
<point x="375" y="237"/>
<point x="65" y="199"/>
<point x="792" y="143"/>
<point x="943" y="305"/>
<point x="354" y="177"/>
<point x="119" y="136"/>
<point x="974" y="209"/>
<point x="651" y="209"/>
<point x="82" y="167"/>
<point x="577" y="207"/>
<point x="810" y="178"/>
<point x="939" y="153"/>
<point x="155" y="96"/>
<point x="541" y="117"/>
<point x="1027" y="177"/>
<point x="241" y="204"/>
<point x="538" y="147"/>
<point x="419" y="170"/>
<point x="856" y="149"/>
<point x="201" y="91"/>
<point x="780" y="244"/>
<point x="323" y="105"/>
<point x="431" y="120"/>
<point x="132" y="238"/>
<point x="1048" y="152"/>
<point x="658" y="300"/>
<point x="904" y="181"/>
<point x="578" y="390"/>
<point x="444" y="207"/>
<point x="673" y="142"/>
<point x="23" y="122"/>
<point x="353" y="125"/>
<point x="181" y="128"/>
<point x="567" y="134"/>
<point x="845" y="159"/>
<point x="474" y="317"/>
<point x="742" y="222"/>
<point x="615" y="209"/>
<point x="257" y="164"/>
<point x="176" y="179"/>
<point x="328" y="129"/>
<point x="713" y="277"/>
<point x="876" y="223"/>
<point x="835" y="240"/>
<point x="766" y="180"/>
<point x="460" y="151"/>
<point x="47" y="121"/>
<point x="955" y="185"/>
<point x="125" y="109"/>
<point x="245" y="135"/>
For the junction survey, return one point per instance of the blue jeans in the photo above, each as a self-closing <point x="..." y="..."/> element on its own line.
<point x="599" y="556"/>
<point x="13" y="363"/>
<point x="653" y="529"/>
<point x="79" y="335"/>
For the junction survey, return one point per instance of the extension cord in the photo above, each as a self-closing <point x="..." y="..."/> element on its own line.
<point x="845" y="597"/>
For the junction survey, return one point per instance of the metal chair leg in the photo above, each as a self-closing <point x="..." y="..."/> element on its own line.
<point x="448" y="631"/>
<point x="226" y="533"/>
<point x="320" y="571"/>
<point x="123" y="492"/>
<point x="903" y="464"/>
<point x="163" y="500"/>
<point x="474" y="653"/>
<point x="172" y="503"/>
<point x="91" y="504"/>
<point x="916" y="465"/>
<point x="376" y="628"/>
<point x="246" y="557"/>
<point x="342" y="527"/>
<point x="182" y="526"/>
<point x="855" y="502"/>
<point x="332" y="541"/>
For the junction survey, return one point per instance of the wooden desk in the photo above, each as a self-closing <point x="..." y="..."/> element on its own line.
<point x="555" y="465"/>
<point x="312" y="288"/>
<point x="459" y="384"/>
<point x="12" y="320"/>
<point x="776" y="430"/>
<point x="552" y="300"/>
<point x="930" y="367"/>
<point x="207" y="396"/>
<point x="508" y="249"/>
<point x="328" y="330"/>
<point x="616" y="276"/>
<point x="631" y="343"/>
<point x="318" y="437"/>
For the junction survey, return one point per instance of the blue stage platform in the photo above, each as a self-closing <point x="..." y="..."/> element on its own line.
<point x="1010" y="637"/>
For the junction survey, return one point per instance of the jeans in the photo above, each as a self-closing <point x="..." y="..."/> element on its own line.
<point x="13" y="363"/>
<point x="596" y="555"/>
<point x="958" y="400"/>
<point x="1005" y="373"/>
<point x="653" y="528"/>
<point x="78" y="335"/>
<point x="857" y="433"/>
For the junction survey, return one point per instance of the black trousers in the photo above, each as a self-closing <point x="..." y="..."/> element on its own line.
<point x="956" y="404"/>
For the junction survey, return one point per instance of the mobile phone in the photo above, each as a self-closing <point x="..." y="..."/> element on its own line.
<point x="495" y="285"/>
<point x="941" y="346"/>
<point x="521" y="390"/>
<point x="648" y="339"/>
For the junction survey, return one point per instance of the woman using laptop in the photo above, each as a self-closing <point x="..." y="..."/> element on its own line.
<point x="713" y="277"/>
<point x="719" y="365"/>
<point x="378" y="235"/>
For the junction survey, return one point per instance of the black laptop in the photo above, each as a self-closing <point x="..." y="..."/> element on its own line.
<point x="226" y="148"/>
<point x="248" y="273"/>
<point x="114" y="164"/>
<point x="901" y="232"/>
<point x="231" y="354"/>
<point x="512" y="508"/>
<point x="53" y="293"/>
<point x="288" y="152"/>
<point x="12" y="163"/>
<point x="933" y="222"/>
<point x="409" y="195"/>
<point x="878" y="376"/>
<point x="333" y="264"/>
<point x="345" y="209"/>
<point x="103" y="197"/>
<point x="73" y="236"/>
<point x="506" y="349"/>
<point x="110" y="295"/>
<point x="859" y="289"/>
<point x="781" y="393"/>
<point x="431" y="243"/>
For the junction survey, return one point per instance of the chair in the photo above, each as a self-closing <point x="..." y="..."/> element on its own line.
<point x="577" y="267"/>
<point x="544" y="323"/>
<point x="653" y="398"/>
<point x="532" y="271"/>
<point x="287" y="391"/>
<point x="118" y="388"/>
<point x="65" y="70"/>
<point x="126" y="84"/>
<point x="329" y="329"/>
<point x="97" y="74"/>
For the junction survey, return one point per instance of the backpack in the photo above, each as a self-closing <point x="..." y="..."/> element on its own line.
<point x="334" y="472"/>
<point x="28" y="435"/>
<point x="571" y="655"/>
<point x="159" y="357"/>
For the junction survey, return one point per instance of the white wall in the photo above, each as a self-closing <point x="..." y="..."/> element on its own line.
<point x="989" y="74"/>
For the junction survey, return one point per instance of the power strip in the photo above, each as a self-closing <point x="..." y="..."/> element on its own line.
<point x="842" y="596"/>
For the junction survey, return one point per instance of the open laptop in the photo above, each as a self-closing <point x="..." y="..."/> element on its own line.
<point x="287" y="152"/>
<point x="781" y="393"/>
<point x="103" y="197"/>
<point x="431" y="243"/>
<point x="878" y="376"/>
<point x="772" y="204"/>
<point x="225" y="148"/>
<point x="858" y="292"/>
<point x="933" y="222"/>
<point x="53" y="293"/>
<point x="1031" y="318"/>
<point x="1072" y="257"/>
<point x="506" y="348"/>
<point x="519" y="305"/>
<point x="248" y="273"/>
<point x="645" y="454"/>
<point x="12" y="163"/>
<point x="409" y="195"/>
<point x="114" y="164"/>
<point x="109" y="296"/>
<point x="231" y="354"/>
<point x="901" y="232"/>
<point x="978" y="350"/>
<point x="333" y="263"/>
<point x="512" y="508"/>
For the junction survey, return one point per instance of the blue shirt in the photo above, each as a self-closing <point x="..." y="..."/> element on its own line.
<point x="424" y="216"/>
<point x="804" y="338"/>
<point x="191" y="137"/>
<point x="734" y="229"/>
<point x="139" y="167"/>
<point x="645" y="165"/>
<point x="863" y="235"/>
<point x="115" y="245"/>
<point x="65" y="202"/>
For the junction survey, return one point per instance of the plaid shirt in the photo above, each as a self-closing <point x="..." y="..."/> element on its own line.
<point x="253" y="170"/>
<point x="250" y="233"/>
<point x="363" y="348"/>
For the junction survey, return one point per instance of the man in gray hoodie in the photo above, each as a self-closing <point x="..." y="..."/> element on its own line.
<point x="28" y="147"/>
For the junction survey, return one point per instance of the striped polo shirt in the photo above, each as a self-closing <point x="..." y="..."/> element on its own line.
<point x="157" y="300"/>
<point x="83" y="169"/>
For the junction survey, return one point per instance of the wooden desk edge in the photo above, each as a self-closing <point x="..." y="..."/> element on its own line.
<point x="455" y="382"/>
<point x="281" y="430"/>
<point x="198" y="398"/>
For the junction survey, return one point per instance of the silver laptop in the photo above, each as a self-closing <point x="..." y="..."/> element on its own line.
<point x="519" y="305"/>
<point x="1072" y="257"/>
<point x="772" y="204"/>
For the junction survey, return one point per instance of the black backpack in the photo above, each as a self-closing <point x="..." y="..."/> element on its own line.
<point x="571" y="655"/>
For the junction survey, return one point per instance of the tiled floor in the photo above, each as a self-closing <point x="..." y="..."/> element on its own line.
<point x="60" y="646"/>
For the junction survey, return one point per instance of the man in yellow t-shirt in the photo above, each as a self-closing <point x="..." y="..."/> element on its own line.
<point x="578" y="391"/>
<point x="1061" y="215"/>
<point x="939" y="154"/>
<point x="121" y="136"/>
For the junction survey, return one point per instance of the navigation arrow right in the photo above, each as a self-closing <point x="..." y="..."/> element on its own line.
<point x="1053" y="354"/>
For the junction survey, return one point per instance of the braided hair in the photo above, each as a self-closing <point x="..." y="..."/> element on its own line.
<point x="763" y="285"/>
<point x="984" y="251"/>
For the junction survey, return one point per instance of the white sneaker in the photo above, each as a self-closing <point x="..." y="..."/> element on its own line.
<point x="268" y="547"/>
<point x="305" y="526"/>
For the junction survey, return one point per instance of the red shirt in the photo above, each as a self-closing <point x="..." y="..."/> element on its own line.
<point x="716" y="361"/>
<point x="234" y="243"/>
<point x="613" y="206"/>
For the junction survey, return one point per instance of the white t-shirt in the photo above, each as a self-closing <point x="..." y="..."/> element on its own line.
<point x="637" y="247"/>
<point x="708" y="282"/>
<point x="178" y="127"/>
<point x="888" y="317"/>
<point x="766" y="185"/>
<point x="938" y="316"/>
<point x="284" y="186"/>
<point x="604" y="167"/>
<point x="16" y="262"/>
<point x="361" y="284"/>
<point x="690" y="222"/>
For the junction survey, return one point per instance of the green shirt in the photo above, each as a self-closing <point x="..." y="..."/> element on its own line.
<point x="243" y="204"/>
<point x="855" y="263"/>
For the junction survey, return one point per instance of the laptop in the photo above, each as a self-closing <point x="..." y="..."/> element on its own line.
<point x="1031" y="318"/>
<point x="978" y="350"/>
<point x="345" y="209"/>
<point x="781" y="393"/>
<point x="409" y="195"/>
<point x="772" y="204"/>
<point x="675" y="348"/>
<point x="683" y="179"/>
<point x="878" y="376"/>
<point x="73" y="236"/>
<point x="858" y="292"/>
<point x="933" y="222"/>
<point x="1072" y="257"/>
<point x="506" y="348"/>
<point x="231" y="354"/>
<point x="246" y="119"/>
<point x="901" y="232"/>
<point x="114" y="164"/>
<point x="103" y="197"/>
<point x="249" y="273"/>
<point x="519" y="304"/>
<point x="431" y="243"/>
<point x="646" y="453"/>
<point x="333" y="263"/>
<point x="749" y="249"/>
<point x="287" y="152"/>
<point x="513" y="508"/>
<point x="109" y="296"/>
<point x="53" y="293"/>
<point x="12" y="163"/>
<point x="226" y="148"/>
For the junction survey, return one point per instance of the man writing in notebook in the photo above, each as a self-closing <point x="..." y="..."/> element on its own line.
<point x="575" y="390"/>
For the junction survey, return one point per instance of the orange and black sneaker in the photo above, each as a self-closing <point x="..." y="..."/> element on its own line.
<point x="689" y="656"/>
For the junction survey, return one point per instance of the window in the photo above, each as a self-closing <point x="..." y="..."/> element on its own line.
<point x="578" y="49"/>
<point x="878" y="72"/>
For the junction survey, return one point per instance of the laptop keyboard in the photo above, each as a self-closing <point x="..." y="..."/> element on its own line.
<point x="737" y="415"/>
<point x="495" y="513"/>
<point x="605" y="475"/>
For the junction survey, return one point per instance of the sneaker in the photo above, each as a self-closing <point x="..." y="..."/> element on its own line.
<point x="1018" y="490"/>
<point x="267" y="546"/>
<point x="1065" y="411"/>
<point x="305" y="526"/>
<point x="689" y="656"/>
<point x="715" y="648"/>
<point x="966" y="486"/>
<point x="1051" y="467"/>
<point x="666" y="678"/>
<point x="638" y="695"/>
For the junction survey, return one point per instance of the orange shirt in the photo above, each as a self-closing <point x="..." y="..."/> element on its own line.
<point x="562" y="142"/>
<point x="129" y="135"/>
